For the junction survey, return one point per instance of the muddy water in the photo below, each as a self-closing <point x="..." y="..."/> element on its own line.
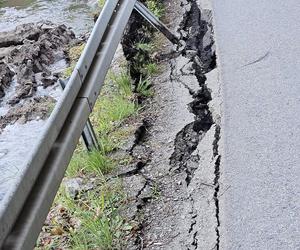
<point x="76" y="14"/>
<point x="17" y="141"/>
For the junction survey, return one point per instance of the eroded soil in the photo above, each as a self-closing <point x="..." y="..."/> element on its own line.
<point x="31" y="57"/>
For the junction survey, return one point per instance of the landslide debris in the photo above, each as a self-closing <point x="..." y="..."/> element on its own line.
<point x="28" y="58"/>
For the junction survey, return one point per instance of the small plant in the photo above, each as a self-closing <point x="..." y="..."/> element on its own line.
<point x="112" y="111"/>
<point x="156" y="7"/>
<point x="98" y="162"/>
<point x="123" y="82"/>
<point x="147" y="47"/>
<point x="156" y="193"/>
<point x="101" y="3"/>
<point x="51" y="107"/>
<point x="68" y="71"/>
<point x="150" y="69"/>
<point x="144" y="88"/>
<point x="101" y="226"/>
<point x="74" y="54"/>
<point x="90" y="162"/>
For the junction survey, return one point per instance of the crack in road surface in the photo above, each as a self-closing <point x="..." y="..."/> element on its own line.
<point x="187" y="172"/>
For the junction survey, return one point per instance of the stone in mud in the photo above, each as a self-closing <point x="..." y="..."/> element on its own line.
<point x="49" y="80"/>
<point x="73" y="187"/>
<point x="6" y="75"/>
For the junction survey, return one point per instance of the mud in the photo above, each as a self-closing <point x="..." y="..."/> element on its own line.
<point x="31" y="109"/>
<point x="28" y="54"/>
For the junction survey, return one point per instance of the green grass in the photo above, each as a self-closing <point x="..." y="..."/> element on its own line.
<point x="74" y="54"/>
<point x="101" y="224"/>
<point x="90" y="162"/>
<point x="101" y="3"/>
<point x="156" y="7"/>
<point x="97" y="210"/>
<point x="124" y="83"/>
<point x="144" y="88"/>
<point x="111" y="111"/>
<point x="147" y="47"/>
<point x="150" y="69"/>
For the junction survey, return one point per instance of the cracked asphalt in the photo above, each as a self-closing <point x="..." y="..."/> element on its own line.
<point x="174" y="194"/>
<point x="258" y="58"/>
<point x="223" y="145"/>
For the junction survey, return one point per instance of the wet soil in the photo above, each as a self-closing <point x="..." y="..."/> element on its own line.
<point x="28" y="55"/>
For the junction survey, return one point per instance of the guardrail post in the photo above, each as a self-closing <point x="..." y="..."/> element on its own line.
<point x="155" y="22"/>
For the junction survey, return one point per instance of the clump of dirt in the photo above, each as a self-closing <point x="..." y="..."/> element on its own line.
<point x="31" y="109"/>
<point x="6" y="75"/>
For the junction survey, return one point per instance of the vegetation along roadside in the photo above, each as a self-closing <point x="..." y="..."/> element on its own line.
<point x="87" y="211"/>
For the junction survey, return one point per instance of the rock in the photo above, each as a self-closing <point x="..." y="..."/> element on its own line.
<point x="73" y="186"/>
<point x="6" y="75"/>
<point x="48" y="81"/>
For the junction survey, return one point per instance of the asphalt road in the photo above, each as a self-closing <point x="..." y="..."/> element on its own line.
<point x="258" y="55"/>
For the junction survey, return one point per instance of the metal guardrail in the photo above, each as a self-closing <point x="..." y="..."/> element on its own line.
<point x="26" y="209"/>
<point x="88" y="134"/>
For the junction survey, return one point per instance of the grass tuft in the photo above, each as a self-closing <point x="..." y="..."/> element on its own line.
<point x="156" y="7"/>
<point x="90" y="162"/>
<point x="150" y="69"/>
<point x="144" y="88"/>
<point x="124" y="83"/>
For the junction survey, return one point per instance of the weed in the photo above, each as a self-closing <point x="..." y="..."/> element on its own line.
<point x="101" y="3"/>
<point x="110" y="111"/>
<point x="101" y="223"/>
<point x="155" y="7"/>
<point x="68" y="71"/>
<point x="74" y="54"/>
<point x="150" y="69"/>
<point x="90" y="162"/>
<point x="123" y="82"/>
<point x="155" y="191"/>
<point x="51" y="107"/>
<point x="144" y="88"/>
<point x="147" y="47"/>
